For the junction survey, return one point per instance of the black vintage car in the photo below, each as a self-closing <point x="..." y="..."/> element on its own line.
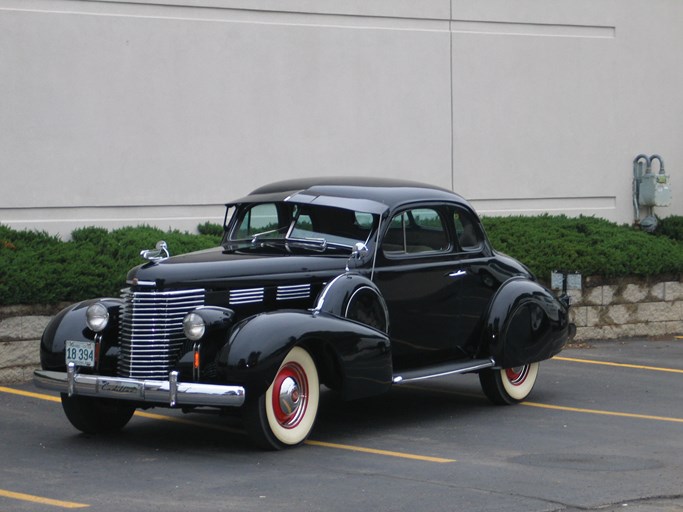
<point x="357" y="284"/>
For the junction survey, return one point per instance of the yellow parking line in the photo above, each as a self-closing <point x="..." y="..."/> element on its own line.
<point x="39" y="499"/>
<point x="603" y="413"/>
<point x="185" y="421"/>
<point x="620" y="365"/>
<point x="374" y="451"/>
<point x="556" y="407"/>
<point x="173" y="419"/>
<point x="30" y="394"/>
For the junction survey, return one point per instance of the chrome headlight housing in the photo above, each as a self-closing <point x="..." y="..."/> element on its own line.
<point x="194" y="326"/>
<point x="97" y="317"/>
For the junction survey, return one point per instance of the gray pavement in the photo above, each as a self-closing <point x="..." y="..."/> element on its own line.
<point x="602" y="430"/>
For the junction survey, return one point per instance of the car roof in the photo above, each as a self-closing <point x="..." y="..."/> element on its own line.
<point x="373" y="195"/>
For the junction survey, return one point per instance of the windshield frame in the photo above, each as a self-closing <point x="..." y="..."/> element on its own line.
<point x="298" y="231"/>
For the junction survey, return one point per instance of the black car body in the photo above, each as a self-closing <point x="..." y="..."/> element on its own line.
<point x="357" y="284"/>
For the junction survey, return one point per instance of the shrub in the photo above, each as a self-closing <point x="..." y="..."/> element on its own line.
<point x="209" y="228"/>
<point x="671" y="227"/>
<point x="587" y="245"/>
<point x="36" y="267"/>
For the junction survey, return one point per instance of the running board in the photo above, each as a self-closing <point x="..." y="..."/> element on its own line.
<point x="441" y="370"/>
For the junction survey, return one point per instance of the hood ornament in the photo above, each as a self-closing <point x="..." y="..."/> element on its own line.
<point x="160" y="253"/>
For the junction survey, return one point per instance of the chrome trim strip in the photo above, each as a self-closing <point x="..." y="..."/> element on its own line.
<point x="443" y="371"/>
<point x="326" y="287"/>
<point x="135" y="282"/>
<point x="247" y="296"/>
<point x="292" y="292"/>
<point x="153" y="391"/>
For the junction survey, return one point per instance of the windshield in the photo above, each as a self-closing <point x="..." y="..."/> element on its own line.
<point x="307" y="226"/>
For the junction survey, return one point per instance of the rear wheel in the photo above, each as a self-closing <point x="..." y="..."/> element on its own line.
<point x="284" y="415"/>
<point x="96" y="415"/>
<point x="509" y="385"/>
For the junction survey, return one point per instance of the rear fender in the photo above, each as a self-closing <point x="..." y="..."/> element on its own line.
<point x="525" y="323"/>
<point x="259" y="344"/>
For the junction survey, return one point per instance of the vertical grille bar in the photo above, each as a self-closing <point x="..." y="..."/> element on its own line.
<point x="151" y="331"/>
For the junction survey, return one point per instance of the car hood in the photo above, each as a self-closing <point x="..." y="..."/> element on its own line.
<point x="218" y="268"/>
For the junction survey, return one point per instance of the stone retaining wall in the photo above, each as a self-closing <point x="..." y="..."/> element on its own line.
<point x="20" y="330"/>
<point x="626" y="308"/>
<point x="602" y="310"/>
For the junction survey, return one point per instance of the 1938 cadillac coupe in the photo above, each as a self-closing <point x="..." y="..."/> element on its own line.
<point x="357" y="284"/>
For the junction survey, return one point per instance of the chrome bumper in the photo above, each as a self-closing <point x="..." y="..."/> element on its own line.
<point x="169" y="392"/>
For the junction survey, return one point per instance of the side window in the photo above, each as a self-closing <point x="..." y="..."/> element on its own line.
<point x="469" y="237"/>
<point x="364" y="220"/>
<point x="259" y="219"/>
<point x="416" y="231"/>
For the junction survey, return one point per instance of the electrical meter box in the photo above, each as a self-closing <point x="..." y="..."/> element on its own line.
<point x="654" y="190"/>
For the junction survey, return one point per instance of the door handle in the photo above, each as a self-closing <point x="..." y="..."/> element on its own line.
<point x="457" y="273"/>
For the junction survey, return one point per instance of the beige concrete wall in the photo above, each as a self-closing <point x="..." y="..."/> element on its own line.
<point x="117" y="113"/>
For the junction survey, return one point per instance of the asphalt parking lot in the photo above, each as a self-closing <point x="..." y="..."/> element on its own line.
<point x="602" y="430"/>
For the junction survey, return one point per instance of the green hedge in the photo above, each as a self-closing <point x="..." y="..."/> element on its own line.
<point x="588" y="245"/>
<point x="671" y="227"/>
<point x="36" y="268"/>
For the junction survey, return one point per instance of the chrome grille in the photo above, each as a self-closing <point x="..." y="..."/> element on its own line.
<point x="151" y="331"/>
<point x="292" y="292"/>
<point x="246" y="296"/>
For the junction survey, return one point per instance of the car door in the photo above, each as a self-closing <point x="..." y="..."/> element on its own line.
<point x="435" y="286"/>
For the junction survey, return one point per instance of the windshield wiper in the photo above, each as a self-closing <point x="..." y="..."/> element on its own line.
<point x="319" y="244"/>
<point x="313" y="244"/>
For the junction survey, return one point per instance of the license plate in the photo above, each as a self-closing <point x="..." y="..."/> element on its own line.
<point x="80" y="353"/>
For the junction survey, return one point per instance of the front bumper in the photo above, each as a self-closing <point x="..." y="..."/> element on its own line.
<point x="170" y="392"/>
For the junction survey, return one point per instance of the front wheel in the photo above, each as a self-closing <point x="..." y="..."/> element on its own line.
<point x="284" y="415"/>
<point x="96" y="415"/>
<point x="509" y="385"/>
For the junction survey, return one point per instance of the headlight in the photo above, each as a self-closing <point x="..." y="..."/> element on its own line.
<point x="97" y="317"/>
<point x="194" y="326"/>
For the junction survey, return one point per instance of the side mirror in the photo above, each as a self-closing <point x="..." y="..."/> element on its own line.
<point x="360" y="251"/>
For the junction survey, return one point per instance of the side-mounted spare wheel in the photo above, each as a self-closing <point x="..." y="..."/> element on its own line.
<point x="97" y="415"/>
<point x="509" y="385"/>
<point x="357" y="298"/>
<point x="284" y="415"/>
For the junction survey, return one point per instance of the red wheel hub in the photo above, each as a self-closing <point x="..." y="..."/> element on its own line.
<point x="517" y="375"/>
<point x="290" y="395"/>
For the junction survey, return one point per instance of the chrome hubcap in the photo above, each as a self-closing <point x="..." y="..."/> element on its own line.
<point x="290" y="397"/>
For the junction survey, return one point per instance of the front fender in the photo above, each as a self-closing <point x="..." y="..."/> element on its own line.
<point x="69" y="324"/>
<point x="525" y="323"/>
<point x="258" y="345"/>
